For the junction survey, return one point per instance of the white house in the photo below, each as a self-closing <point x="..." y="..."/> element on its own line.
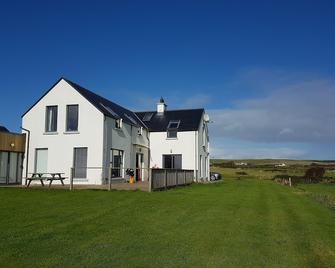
<point x="72" y="127"/>
<point x="178" y="139"/>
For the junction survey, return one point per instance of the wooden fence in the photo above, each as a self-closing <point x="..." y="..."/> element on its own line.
<point x="167" y="178"/>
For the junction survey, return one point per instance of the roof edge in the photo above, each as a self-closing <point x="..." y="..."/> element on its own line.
<point x="45" y="93"/>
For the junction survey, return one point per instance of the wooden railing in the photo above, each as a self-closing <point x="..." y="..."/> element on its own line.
<point x="167" y="178"/>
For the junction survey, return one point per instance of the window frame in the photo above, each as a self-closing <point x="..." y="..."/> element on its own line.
<point x="74" y="162"/>
<point x="67" y="118"/>
<point x="173" y="158"/>
<point x="118" y="123"/>
<point x="173" y="122"/>
<point x="47" y="123"/>
<point x="172" y="130"/>
<point x="116" y="170"/>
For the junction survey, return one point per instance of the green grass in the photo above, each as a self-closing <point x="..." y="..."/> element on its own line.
<point x="235" y="223"/>
<point x="323" y="193"/>
<point x="265" y="168"/>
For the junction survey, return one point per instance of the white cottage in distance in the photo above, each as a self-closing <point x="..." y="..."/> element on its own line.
<point x="71" y="126"/>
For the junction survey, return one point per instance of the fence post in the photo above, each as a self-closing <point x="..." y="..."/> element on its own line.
<point x="184" y="177"/>
<point x="71" y="179"/>
<point x="290" y="181"/>
<point x="150" y="179"/>
<point x="109" y="179"/>
<point x="165" y="179"/>
<point x="176" y="174"/>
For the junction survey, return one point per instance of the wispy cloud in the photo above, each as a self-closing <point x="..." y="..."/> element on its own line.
<point x="299" y="111"/>
<point x="258" y="153"/>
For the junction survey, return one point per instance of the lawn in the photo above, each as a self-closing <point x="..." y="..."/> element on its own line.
<point x="235" y="223"/>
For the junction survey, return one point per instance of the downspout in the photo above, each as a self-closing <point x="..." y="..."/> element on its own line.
<point x="104" y="153"/>
<point x="27" y="154"/>
<point x="196" y="156"/>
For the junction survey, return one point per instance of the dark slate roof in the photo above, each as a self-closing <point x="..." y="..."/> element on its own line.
<point x="108" y="107"/>
<point x="104" y="105"/>
<point x="3" y="129"/>
<point x="189" y="119"/>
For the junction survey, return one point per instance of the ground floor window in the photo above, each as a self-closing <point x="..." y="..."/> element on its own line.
<point x="116" y="163"/>
<point x="172" y="161"/>
<point x="11" y="167"/>
<point x="80" y="163"/>
<point x="200" y="167"/>
<point x="41" y="160"/>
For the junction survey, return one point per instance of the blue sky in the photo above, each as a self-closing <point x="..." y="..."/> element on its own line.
<point x="264" y="70"/>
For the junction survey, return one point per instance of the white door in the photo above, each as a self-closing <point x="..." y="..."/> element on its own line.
<point x="41" y="162"/>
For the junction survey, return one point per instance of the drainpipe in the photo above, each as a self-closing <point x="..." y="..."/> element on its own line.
<point x="28" y="142"/>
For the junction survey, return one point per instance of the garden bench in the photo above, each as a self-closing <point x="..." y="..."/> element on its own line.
<point x="43" y="176"/>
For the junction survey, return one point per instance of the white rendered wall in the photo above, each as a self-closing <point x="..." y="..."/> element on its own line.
<point x="184" y="144"/>
<point x="189" y="144"/>
<point x="61" y="145"/>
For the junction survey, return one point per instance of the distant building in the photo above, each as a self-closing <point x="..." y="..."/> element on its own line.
<point x="241" y="164"/>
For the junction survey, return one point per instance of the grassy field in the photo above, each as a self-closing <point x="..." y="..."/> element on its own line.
<point x="234" y="223"/>
<point x="265" y="168"/>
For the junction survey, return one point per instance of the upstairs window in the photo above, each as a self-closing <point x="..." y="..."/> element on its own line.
<point x="51" y="119"/>
<point x="72" y="118"/>
<point x="204" y="135"/>
<point x="172" y="133"/>
<point x="118" y="123"/>
<point x="172" y="129"/>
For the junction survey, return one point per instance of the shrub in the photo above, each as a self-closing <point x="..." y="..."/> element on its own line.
<point x="315" y="173"/>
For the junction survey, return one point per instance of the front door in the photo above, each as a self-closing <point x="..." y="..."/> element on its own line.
<point x="139" y="167"/>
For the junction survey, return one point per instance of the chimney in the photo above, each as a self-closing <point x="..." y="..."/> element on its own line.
<point x="161" y="106"/>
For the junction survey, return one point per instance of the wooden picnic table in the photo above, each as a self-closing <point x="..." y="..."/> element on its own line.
<point x="39" y="176"/>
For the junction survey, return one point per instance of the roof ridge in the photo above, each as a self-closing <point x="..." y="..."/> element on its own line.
<point x="176" y="110"/>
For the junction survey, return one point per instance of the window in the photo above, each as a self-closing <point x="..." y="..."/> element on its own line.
<point x="200" y="167"/>
<point x="41" y="160"/>
<point x="173" y="124"/>
<point x="51" y="119"/>
<point x="10" y="167"/>
<point x="72" y="118"/>
<point x="172" y="129"/>
<point x="172" y="161"/>
<point x="80" y="163"/>
<point x="147" y="117"/>
<point x="116" y="162"/>
<point x="140" y="131"/>
<point x="203" y="135"/>
<point x="118" y="123"/>
<point x="172" y="134"/>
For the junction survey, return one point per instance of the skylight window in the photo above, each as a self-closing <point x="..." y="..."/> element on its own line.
<point x="173" y="124"/>
<point x="114" y="114"/>
<point x="147" y="117"/>
<point x="131" y="119"/>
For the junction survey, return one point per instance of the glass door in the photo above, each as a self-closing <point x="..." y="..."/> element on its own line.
<point x="12" y="175"/>
<point x="3" y="167"/>
<point x="10" y="167"/>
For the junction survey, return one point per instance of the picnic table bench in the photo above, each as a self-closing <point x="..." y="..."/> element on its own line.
<point x="37" y="176"/>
